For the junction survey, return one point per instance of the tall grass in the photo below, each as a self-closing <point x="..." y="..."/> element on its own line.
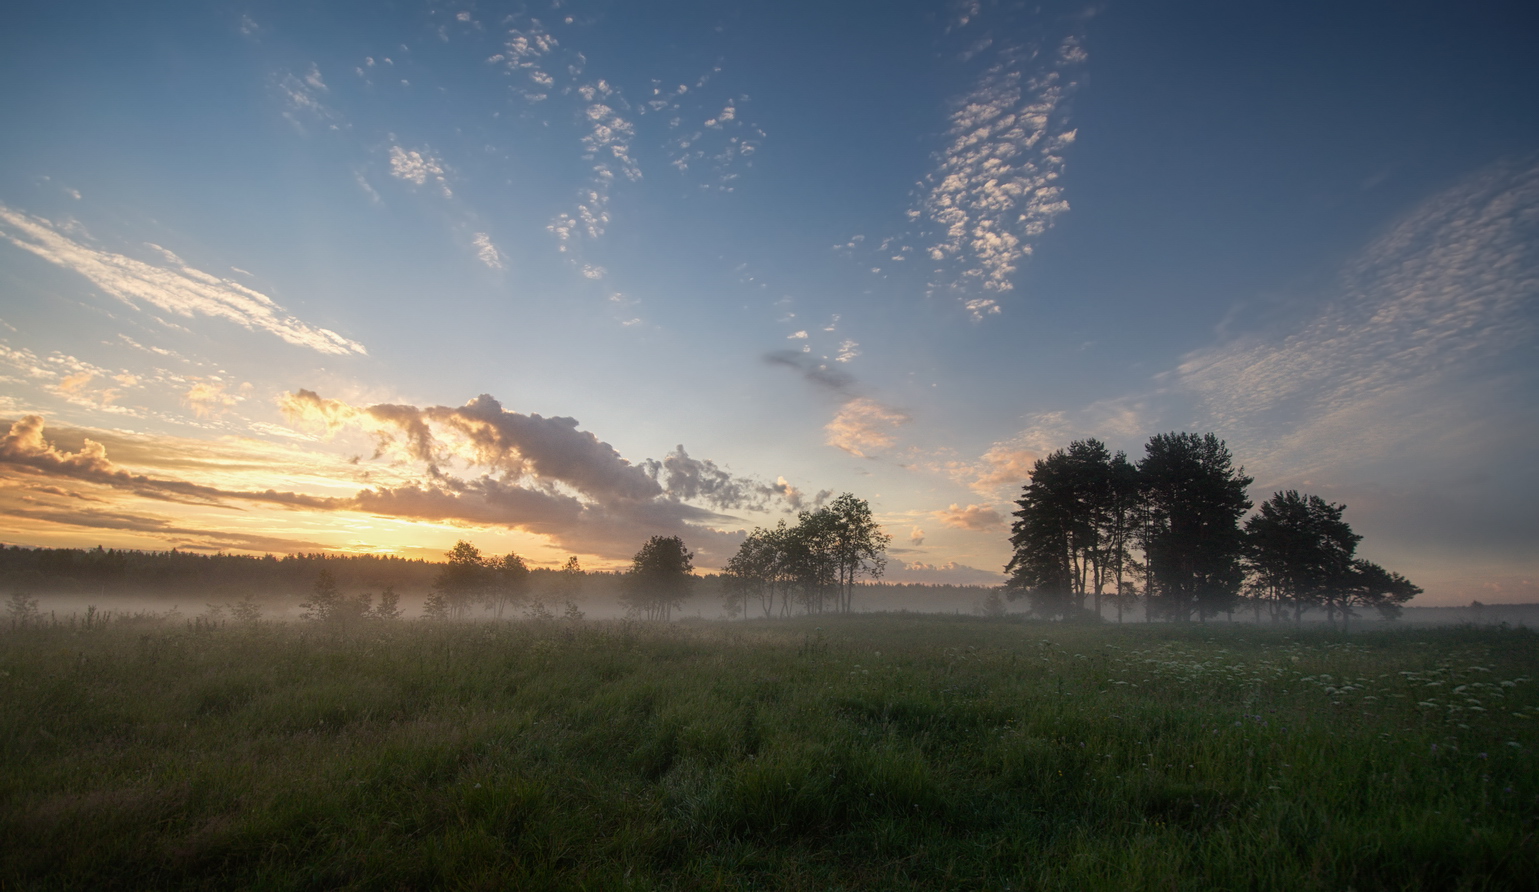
<point x="851" y="752"/>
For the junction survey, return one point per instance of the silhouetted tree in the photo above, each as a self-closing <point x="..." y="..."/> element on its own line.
<point x="508" y="583"/>
<point x="1042" y="540"/>
<point x="1193" y="499"/>
<point x="659" y="577"/>
<point x="1072" y="529"/>
<point x="325" y="599"/>
<point x="856" y="545"/>
<point x="753" y="572"/>
<point x="570" y="581"/>
<point x="1299" y="551"/>
<point x="1373" y="586"/>
<point x="389" y="605"/>
<point x="462" y="581"/>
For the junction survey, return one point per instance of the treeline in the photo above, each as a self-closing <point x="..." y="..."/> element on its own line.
<point x="1167" y="532"/>
<point x="173" y="573"/>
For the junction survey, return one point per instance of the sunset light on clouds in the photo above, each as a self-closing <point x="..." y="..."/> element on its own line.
<point x="560" y="277"/>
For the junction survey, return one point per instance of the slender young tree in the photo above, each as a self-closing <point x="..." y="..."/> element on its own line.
<point x="753" y="572"/>
<point x="856" y="545"/>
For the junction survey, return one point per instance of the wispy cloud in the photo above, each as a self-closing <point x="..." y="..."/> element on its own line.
<point x="303" y="96"/>
<point x="171" y="286"/>
<point x="486" y="251"/>
<point x="996" y="186"/>
<point x="210" y="398"/>
<point x="25" y="447"/>
<point x="1448" y="291"/>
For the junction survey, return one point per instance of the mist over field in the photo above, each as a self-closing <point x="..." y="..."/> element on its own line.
<point x="769" y="444"/>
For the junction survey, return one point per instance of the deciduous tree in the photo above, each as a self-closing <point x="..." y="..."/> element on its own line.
<point x="659" y="577"/>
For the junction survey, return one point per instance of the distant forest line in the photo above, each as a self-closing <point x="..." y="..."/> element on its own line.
<point x="177" y="574"/>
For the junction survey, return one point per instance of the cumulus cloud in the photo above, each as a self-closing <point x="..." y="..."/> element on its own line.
<point x="916" y="537"/>
<point x="170" y="286"/>
<point x="419" y="168"/>
<point x="864" y="426"/>
<point x="541" y="474"/>
<point x="683" y="477"/>
<point x="973" y="518"/>
<point x="996" y="186"/>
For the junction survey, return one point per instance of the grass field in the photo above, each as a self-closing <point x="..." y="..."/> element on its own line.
<point x="864" y="752"/>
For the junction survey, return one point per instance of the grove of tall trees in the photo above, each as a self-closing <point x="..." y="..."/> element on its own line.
<point x="1090" y="526"/>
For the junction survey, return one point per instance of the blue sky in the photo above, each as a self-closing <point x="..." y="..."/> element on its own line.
<point x="709" y="261"/>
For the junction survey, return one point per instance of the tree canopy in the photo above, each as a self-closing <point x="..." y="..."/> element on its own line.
<point x="814" y="565"/>
<point x="1084" y="510"/>
<point x="659" y="577"/>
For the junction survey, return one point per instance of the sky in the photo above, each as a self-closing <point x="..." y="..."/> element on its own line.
<point x="557" y="277"/>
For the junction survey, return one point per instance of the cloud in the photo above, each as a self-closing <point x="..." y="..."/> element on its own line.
<point x="1424" y="313"/>
<point x="849" y="350"/>
<point x="172" y="286"/>
<point x="302" y="94"/>
<point x="543" y="475"/>
<point x="418" y="168"/>
<point x="1003" y="467"/>
<point x="973" y="518"/>
<point x="161" y="528"/>
<point x="996" y="188"/>
<point x="864" y="426"/>
<point x="25" y="449"/>
<point x="999" y="473"/>
<point x="209" y="398"/>
<point x="815" y="372"/>
<point x="683" y="477"/>
<point x="916" y="537"/>
<point x="948" y="573"/>
<point x="486" y="251"/>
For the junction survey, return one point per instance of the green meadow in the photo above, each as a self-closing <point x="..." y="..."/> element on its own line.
<point x="854" y="752"/>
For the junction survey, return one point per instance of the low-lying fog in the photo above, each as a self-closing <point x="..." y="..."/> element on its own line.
<point x="951" y="600"/>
